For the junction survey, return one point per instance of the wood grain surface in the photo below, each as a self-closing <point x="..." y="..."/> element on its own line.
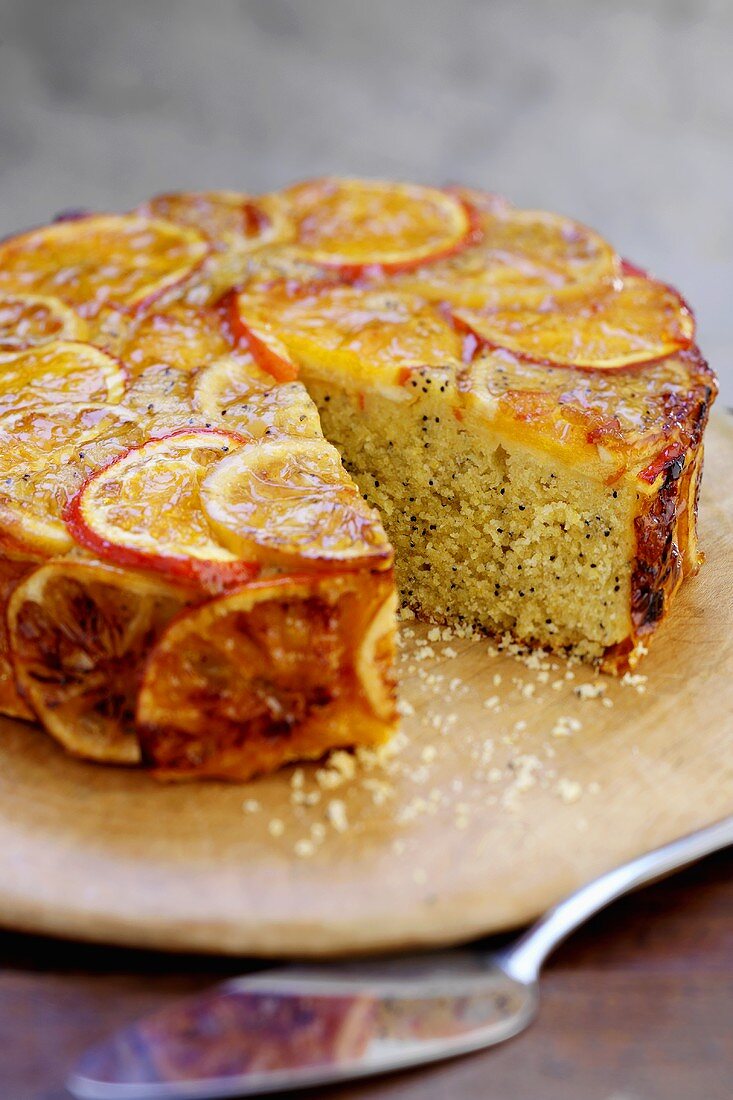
<point x="506" y="793"/>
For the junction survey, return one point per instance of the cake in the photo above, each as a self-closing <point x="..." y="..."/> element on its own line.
<point x="228" y="424"/>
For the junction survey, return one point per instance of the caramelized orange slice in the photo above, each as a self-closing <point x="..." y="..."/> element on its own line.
<point x="28" y="320"/>
<point x="357" y="224"/>
<point x="162" y="352"/>
<point x="181" y="336"/>
<point x="63" y="372"/>
<point x="238" y="395"/>
<point x="115" y="259"/>
<point x="144" y="510"/>
<point x="78" y="633"/>
<point x="283" y="669"/>
<point x="227" y="218"/>
<point x="46" y="453"/>
<point x="291" y="503"/>
<point x="363" y="334"/>
<point x="638" y="321"/>
<point x="11" y="702"/>
<point x="521" y="257"/>
<point x="254" y="331"/>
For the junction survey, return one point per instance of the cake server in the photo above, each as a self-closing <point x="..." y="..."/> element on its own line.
<point x="296" y="1027"/>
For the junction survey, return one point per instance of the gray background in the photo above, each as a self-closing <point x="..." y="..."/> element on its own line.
<point x="617" y="111"/>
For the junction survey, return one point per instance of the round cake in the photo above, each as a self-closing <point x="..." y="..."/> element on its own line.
<point x="233" y="428"/>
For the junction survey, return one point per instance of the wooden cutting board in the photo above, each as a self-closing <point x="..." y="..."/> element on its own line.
<point x="506" y="792"/>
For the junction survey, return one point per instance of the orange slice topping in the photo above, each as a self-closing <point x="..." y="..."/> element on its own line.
<point x="638" y="321"/>
<point x="163" y="352"/>
<point x="289" y="667"/>
<point x="62" y="372"/>
<point x="359" y="333"/>
<point x="144" y="510"/>
<point x="291" y="502"/>
<point x="227" y="218"/>
<point x="181" y="336"/>
<point x="357" y="224"/>
<point x="78" y="634"/>
<point x="240" y="396"/>
<point x="105" y="259"/>
<point x="521" y="257"/>
<point x="46" y="453"/>
<point x="253" y="330"/>
<point x="11" y="702"/>
<point x="28" y="320"/>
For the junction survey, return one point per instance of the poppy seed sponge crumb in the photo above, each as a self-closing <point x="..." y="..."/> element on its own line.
<point x="486" y="532"/>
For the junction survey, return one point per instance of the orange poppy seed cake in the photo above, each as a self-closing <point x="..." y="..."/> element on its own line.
<point x="227" y="424"/>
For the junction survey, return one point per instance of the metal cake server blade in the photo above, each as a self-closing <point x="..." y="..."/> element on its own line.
<point x="297" y="1027"/>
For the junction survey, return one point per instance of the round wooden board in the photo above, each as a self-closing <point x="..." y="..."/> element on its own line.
<point x="483" y="818"/>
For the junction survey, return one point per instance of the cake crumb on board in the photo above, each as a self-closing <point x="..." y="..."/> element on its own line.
<point x="440" y="767"/>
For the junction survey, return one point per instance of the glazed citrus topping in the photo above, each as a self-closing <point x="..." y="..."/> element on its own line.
<point x="637" y="321"/>
<point x="28" y="320"/>
<point x="276" y="666"/>
<point x="46" y="453"/>
<point x="229" y="383"/>
<point x="242" y="397"/>
<point x="520" y="257"/>
<point x="79" y="632"/>
<point x="227" y="218"/>
<point x="631" y="412"/>
<point x="291" y="503"/>
<point x="251" y="326"/>
<point x="62" y="372"/>
<point x="145" y="510"/>
<point x="370" y="333"/>
<point x="181" y="336"/>
<point x="368" y="223"/>
<point x="105" y="259"/>
<point x="11" y="702"/>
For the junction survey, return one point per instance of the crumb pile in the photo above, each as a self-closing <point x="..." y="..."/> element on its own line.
<point x="525" y="749"/>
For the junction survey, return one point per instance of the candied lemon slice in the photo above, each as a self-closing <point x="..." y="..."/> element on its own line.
<point x="287" y="667"/>
<point x="119" y="259"/>
<point x="227" y="218"/>
<point x="229" y="382"/>
<point x="373" y="335"/>
<point x="46" y="453"/>
<point x="79" y="632"/>
<point x="62" y="372"/>
<point x="28" y="320"/>
<point x="638" y="321"/>
<point x="162" y="351"/>
<point x="372" y="223"/>
<point x="181" y="336"/>
<point x="520" y="257"/>
<point x="144" y="510"/>
<point x="241" y="396"/>
<point x="292" y="503"/>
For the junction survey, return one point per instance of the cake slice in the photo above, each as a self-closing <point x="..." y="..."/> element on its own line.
<point x="526" y="413"/>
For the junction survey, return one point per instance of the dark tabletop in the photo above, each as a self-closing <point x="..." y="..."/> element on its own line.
<point x="637" y="1006"/>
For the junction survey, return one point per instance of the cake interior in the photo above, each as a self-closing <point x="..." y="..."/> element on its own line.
<point x="486" y="532"/>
